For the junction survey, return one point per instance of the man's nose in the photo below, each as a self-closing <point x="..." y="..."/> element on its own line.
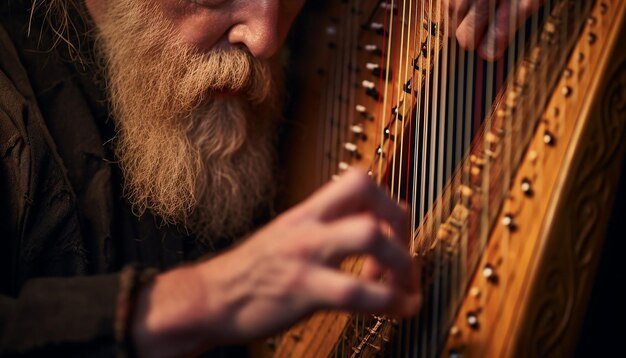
<point x="257" y="28"/>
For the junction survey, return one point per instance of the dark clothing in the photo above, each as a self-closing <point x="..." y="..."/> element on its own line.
<point x="66" y="233"/>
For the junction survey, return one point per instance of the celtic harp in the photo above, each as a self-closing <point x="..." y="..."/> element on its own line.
<point x="509" y="167"/>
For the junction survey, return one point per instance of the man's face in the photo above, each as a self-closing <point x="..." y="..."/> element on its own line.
<point x="192" y="86"/>
<point x="260" y="26"/>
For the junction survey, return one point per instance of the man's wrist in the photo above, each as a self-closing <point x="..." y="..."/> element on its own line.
<point x="171" y="314"/>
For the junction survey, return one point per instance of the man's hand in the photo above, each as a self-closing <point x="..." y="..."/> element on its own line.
<point x="286" y="271"/>
<point x="486" y="25"/>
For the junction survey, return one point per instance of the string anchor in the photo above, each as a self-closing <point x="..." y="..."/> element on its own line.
<point x="508" y="222"/>
<point x="472" y="320"/>
<point x="489" y="273"/>
<point x="526" y="187"/>
<point x="352" y="149"/>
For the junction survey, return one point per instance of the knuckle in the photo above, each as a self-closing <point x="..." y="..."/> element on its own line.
<point x="302" y="248"/>
<point x="294" y="279"/>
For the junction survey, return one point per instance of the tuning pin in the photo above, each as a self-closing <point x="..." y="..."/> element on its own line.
<point x="408" y="86"/>
<point x="378" y="27"/>
<point x="548" y="138"/>
<point x="474" y="292"/>
<point x="363" y="111"/>
<point x="370" y="90"/>
<point x="343" y="166"/>
<point x="380" y="152"/>
<point x="387" y="134"/>
<point x="508" y="222"/>
<point x="358" y="131"/>
<point x="396" y="113"/>
<point x="374" y="50"/>
<point x="374" y="67"/>
<point x="455" y="331"/>
<point x="526" y="187"/>
<point x="472" y="320"/>
<point x="352" y="149"/>
<point x="368" y="84"/>
<point x="489" y="273"/>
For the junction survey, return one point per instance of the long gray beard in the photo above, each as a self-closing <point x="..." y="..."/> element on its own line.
<point x="205" y="163"/>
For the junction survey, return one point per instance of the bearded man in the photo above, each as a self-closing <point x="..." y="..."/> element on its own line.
<point x="137" y="135"/>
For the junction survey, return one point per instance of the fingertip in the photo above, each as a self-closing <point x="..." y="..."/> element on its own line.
<point x="465" y="37"/>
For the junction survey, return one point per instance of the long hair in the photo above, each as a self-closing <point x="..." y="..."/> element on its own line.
<point x="65" y="20"/>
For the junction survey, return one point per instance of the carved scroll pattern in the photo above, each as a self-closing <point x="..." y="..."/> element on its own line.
<point x="587" y="201"/>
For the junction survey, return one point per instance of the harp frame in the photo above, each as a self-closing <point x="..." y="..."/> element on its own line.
<point x="537" y="308"/>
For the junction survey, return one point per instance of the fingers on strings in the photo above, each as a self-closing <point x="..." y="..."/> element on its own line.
<point x="335" y="289"/>
<point x="355" y="217"/>
<point x="488" y="25"/>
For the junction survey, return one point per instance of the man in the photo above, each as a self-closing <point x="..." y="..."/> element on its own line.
<point x="145" y="136"/>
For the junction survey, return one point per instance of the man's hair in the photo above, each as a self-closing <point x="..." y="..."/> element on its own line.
<point x="65" y="19"/>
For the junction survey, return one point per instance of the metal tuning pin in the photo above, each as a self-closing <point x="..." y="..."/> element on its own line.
<point x="359" y="132"/>
<point x="396" y="113"/>
<point x="489" y="273"/>
<point x="368" y="84"/>
<point x="379" y="152"/>
<point x="378" y="27"/>
<point x="363" y="112"/>
<point x="370" y="90"/>
<point x="472" y="320"/>
<point x="566" y="91"/>
<point x="508" y="222"/>
<point x="548" y="138"/>
<point x="374" y="50"/>
<point x="474" y="292"/>
<point x="388" y="134"/>
<point x="357" y="129"/>
<point x="343" y="166"/>
<point x="352" y="149"/>
<point x="526" y="187"/>
<point x="455" y="331"/>
<point x="374" y="67"/>
<point x="408" y="86"/>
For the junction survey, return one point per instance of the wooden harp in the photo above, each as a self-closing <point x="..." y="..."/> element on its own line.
<point x="509" y="167"/>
